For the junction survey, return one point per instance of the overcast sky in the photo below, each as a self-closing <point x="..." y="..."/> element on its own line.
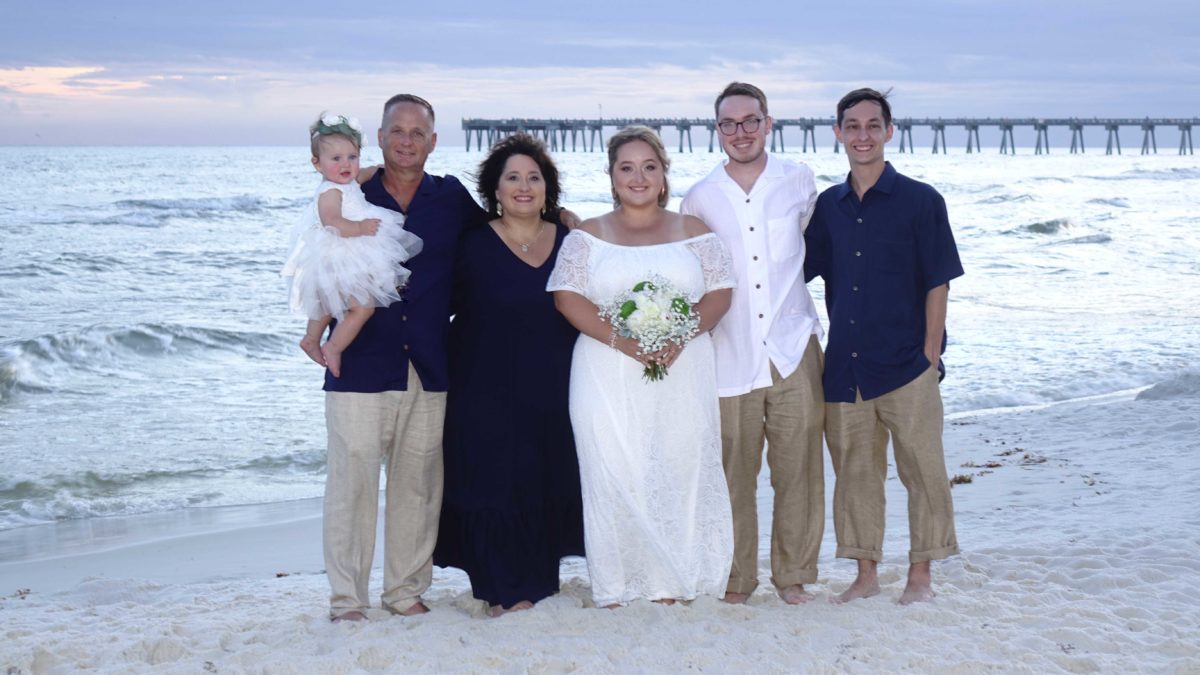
<point x="248" y="72"/>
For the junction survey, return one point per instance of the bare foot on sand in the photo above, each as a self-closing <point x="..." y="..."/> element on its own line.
<point x="312" y="346"/>
<point x="795" y="594"/>
<point x="352" y="615"/>
<point x="417" y="608"/>
<point x="858" y="590"/>
<point x="333" y="360"/>
<point x="920" y="585"/>
<point x="665" y="601"/>
<point x="865" y="585"/>
<point x="497" y="610"/>
<point x="736" y="598"/>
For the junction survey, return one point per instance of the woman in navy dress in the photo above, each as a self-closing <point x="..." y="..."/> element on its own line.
<point x="511" y="507"/>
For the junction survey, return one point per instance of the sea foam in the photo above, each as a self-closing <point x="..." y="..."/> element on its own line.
<point x="1184" y="385"/>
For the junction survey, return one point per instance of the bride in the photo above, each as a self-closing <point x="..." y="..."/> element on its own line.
<point x="657" y="521"/>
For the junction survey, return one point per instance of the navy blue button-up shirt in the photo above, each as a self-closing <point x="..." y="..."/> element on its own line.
<point x="879" y="258"/>
<point x="415" y="328"/>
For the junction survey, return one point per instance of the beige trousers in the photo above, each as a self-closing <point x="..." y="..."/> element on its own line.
<point x="402" y="430"/>
<point x="858" y="438"/>
<point x="789" y="416"/>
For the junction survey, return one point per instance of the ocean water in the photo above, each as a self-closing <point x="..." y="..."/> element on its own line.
<point x="148" y="362"/>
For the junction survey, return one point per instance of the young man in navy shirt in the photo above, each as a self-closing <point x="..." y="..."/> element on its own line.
<point x="883" y="245"/>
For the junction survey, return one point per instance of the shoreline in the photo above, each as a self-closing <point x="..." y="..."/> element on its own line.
<point x="53" y="555"/>
<point x="1078" y="527"/>
<point x="48" y="540"/>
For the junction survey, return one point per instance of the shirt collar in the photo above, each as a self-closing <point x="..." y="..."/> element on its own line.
<point x="427" y="186"/>
<point x="887" y="180"/>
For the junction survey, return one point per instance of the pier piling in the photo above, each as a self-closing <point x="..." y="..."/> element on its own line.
<point x="1148" y="140"/>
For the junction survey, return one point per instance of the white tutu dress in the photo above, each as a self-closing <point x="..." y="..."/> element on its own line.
<point x="325" y="270"/>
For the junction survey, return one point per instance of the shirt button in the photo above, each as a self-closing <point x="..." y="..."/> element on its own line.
<point x="758" y="285"/>
<point x="755" y="257"/>
<point x="854" y="288"/>
<point x="751" y="228"/>
<point x="858" y="253"/>
<point x="747" y="200"/>
<point x="404" y="317"/>
<point x="860" y="220"/>
<point x="851" y="322"/>
<point x="760" y="316"/>
<point x="854" y="355"/>
<point x="405" y="347"/>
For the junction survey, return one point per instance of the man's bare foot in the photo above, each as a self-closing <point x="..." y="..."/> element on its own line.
<point x="333" y="360"/>
<point x="352" y="615"/>
<point x="795" y="594"/>
<point x="613" y="605"/>
<point x="312" y="346"/>
<point x="736" y="598"/>
<point x="496" y="610"/>
<point x="865" y="584"/>
<point x="920" y="585"/>
<point x="417" y="608"/>
<point x="913" y="594"/>
<point x="861" y="588"/>
<point x="665" y="601"/>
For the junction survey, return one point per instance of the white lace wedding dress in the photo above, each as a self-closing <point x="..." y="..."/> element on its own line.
<point x="656" y="512"/>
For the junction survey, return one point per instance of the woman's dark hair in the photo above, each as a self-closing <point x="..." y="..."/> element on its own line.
<point x="487" y="178"/>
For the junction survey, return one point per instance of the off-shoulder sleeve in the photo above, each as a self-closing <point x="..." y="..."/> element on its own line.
<point x="571" y="269"/>
<point x="714" y="262"/>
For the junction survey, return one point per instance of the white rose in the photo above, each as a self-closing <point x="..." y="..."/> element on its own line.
<point x="354" y="124"/>
<point x="649" y="307"/>
<point x="331" y="120"/>
<point x="638" y="322"/>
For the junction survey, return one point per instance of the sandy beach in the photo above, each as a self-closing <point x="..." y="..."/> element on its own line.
<point x="1080" y="530"/>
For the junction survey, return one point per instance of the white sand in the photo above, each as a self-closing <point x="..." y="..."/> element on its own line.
<point x="1081" y="553"/>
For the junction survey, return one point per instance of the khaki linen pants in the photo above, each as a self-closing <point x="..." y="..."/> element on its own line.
<point x="858" y="438"/>
<point x="790" y="416"/>
<point x="402" y="430"/>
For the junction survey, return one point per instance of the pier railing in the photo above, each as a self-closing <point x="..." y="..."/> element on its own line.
<point x="585" y="133"/>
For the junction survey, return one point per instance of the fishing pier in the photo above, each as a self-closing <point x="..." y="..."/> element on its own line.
<point x="584" y="134"/>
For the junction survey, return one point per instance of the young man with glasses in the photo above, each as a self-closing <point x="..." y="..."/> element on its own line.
<point x="882" y="243"/>
<point x="768" y="355"/>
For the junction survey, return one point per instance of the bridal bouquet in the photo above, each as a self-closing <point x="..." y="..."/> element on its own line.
<point x="654" y="313"/>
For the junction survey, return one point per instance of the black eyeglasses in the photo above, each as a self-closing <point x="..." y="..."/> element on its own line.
<point x="749" y="126"/>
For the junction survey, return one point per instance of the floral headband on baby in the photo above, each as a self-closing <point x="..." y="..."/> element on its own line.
<point x="332" y="123"/>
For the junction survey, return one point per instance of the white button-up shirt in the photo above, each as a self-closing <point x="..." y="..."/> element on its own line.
<point x="772" y="315"/>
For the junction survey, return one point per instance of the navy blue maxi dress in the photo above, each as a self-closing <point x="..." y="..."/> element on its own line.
<point x="511" y="506"/>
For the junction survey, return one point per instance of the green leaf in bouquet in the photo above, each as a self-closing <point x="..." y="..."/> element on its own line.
<point x="627" y="308"/>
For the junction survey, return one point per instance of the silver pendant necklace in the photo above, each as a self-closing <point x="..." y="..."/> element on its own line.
<point x="525" y="245"/>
